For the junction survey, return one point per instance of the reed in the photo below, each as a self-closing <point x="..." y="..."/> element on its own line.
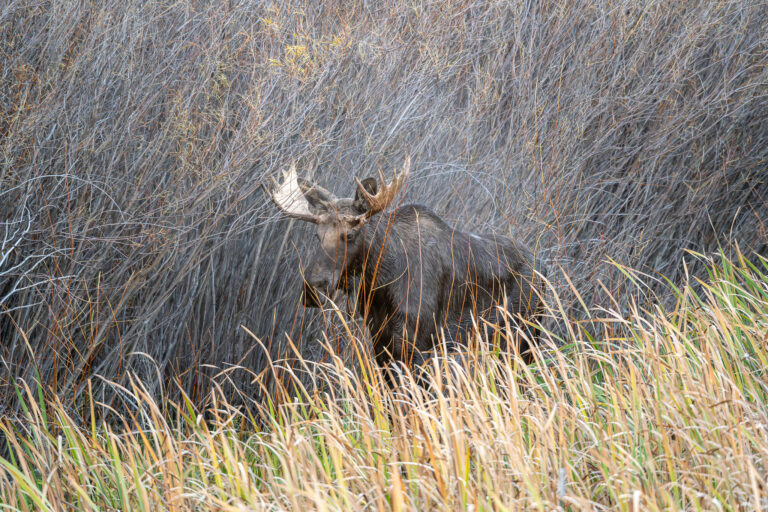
<point x="663" y="409"/>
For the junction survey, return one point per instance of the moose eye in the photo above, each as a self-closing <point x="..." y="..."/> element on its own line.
<point x="349" y="237"/>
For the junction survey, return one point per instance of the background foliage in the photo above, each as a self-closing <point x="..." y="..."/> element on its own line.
<point x="136" y="136"/>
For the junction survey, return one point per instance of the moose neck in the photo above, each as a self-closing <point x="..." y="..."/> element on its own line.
<point x="379" y="262"/>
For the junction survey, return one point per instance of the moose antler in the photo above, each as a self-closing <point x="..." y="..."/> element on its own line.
<point x="290" y="199"/>
<point x="386" y="193"/>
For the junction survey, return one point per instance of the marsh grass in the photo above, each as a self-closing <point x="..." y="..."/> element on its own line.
<point x="147" y="285"/>
<point x="664" y="409"/>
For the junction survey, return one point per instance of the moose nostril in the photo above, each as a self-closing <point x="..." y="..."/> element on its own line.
<point x="311" y="295"/>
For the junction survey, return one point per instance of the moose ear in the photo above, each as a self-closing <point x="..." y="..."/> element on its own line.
<point x="371" y="186"/>
<point x="319" y="199"/>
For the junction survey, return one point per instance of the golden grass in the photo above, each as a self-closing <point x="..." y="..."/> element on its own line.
<point x="641" y="411"/>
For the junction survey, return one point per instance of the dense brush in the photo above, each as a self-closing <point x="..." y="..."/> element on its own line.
<point x="136" y="136"/>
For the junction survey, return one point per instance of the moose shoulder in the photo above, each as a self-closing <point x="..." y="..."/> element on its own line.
<point x="418" y="277"/>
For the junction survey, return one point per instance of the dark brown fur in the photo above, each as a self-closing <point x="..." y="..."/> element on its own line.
<point x="420" y="277"/>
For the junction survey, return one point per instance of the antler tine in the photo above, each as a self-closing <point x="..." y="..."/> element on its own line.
<point x="386" y="193"/>
<point x="383" y="182"/>
<point x="289" y="197"/>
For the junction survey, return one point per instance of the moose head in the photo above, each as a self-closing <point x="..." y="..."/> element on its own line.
<point x="339" y="225"/>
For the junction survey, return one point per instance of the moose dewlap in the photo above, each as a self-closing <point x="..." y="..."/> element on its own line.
<point x="419" y="279"/>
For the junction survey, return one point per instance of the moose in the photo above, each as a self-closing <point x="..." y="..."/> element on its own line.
<point x="416" y="278"/>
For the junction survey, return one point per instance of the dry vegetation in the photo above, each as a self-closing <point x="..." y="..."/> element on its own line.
<point x="668" y="410"/>
<point x="136" y="240"/>
<point x="136" y="137"/>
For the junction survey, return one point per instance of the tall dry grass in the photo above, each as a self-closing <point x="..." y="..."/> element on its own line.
<point x="135" y="137"/>
<point x="665" y="410"/>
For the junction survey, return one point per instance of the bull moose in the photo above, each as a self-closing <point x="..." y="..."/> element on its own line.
<point x="414" y="275"/>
